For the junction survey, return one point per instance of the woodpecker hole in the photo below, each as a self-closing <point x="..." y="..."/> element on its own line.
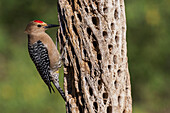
<point x="95" y="21"/>
<point x="95" y="43"/>
<point x="89" y="64"/>
<point x="99" y="56"/>
<point x="89" y="31"/>
<point x="105" y="10"/>
<point x="105" y="96"/>
<point x="116" y="14"/>
<point x="109" y="109"/>
<point x="119" y="100"/>
<point x="79" y="16"/>
<point x="79" y="40"/>
<point x="84" y="51"/>
<point x="115" y="61"/>
<point x="123" y="28"/>
<point x="72" y="18"/>
<point x="105" y="35"/>
<point x="110" y="48"/>
<point x="117" y="39"/>
<point x="122" y="52"/>
<point x="119" y="72"/>
<point x="112" y="26"/>
<point x="116" y="84"/>
<point x="95" y="106"/>
<point x="109" y="67"/>
<point x="86" y="10"/>
<point x="99" y="84"/>
<point x="85" y="54"/>
<point x="90" y="91"/>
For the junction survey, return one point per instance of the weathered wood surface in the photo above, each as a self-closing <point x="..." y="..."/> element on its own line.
<point x="96" y="76"/>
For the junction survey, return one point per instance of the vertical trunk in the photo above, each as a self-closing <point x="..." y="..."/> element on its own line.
<point x="96" y="76"/>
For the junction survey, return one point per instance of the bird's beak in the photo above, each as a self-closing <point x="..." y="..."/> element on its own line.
<point x="51" y="25"/>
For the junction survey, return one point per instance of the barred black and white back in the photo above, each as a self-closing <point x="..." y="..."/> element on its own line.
<point x="39" y="55"/>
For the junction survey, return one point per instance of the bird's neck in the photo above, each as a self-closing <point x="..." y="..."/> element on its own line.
<point x="32" y="38"/>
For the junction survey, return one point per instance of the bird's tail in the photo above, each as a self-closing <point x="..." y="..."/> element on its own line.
<point x="55" y="80"/>
<point x="50" y="87"/>
<point x="56" y="84"/>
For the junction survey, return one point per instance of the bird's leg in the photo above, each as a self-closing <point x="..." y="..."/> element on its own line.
<point x="55" y="80"/>
<point x="62" y="57"/>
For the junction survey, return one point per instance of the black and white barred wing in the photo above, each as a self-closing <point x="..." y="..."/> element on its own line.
<point x="39" y="55"/>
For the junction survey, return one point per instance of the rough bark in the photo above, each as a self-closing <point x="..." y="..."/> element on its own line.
<point x="96" y="76"/>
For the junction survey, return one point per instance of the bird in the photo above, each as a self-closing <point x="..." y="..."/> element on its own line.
<point x="44" y="53"/>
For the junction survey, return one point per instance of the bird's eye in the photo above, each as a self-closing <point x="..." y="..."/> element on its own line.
<point x="38" y="25"/>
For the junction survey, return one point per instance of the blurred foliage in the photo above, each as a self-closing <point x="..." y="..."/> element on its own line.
<point x="148" y="52"/>
<point x="22" y="90"/>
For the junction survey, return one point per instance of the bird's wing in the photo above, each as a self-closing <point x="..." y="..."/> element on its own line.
<point x="39" y="55"/>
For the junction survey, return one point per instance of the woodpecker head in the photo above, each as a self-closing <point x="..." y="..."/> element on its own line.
<point x="38" y="26"/>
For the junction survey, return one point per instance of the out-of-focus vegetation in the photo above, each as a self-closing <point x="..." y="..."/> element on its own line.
<point x="148" y="37"/>
<point x="22" y="90"/>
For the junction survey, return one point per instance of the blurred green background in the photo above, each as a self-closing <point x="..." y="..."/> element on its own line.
<point x="148" y="36"/>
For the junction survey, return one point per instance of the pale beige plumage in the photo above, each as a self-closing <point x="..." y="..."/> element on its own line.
<point x="44" y="53"/>
<point x="36" y="34"/>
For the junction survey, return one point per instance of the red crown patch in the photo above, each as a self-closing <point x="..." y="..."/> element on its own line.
<point x="38" y="21"/>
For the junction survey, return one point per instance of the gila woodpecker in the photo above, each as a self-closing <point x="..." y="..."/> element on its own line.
<point x="44" y="53"/>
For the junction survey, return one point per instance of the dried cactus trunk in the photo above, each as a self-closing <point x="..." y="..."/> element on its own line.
<point x="96" y="76"/>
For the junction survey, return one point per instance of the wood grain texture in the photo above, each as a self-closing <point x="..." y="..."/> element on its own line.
<point x="96" y="69"/>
